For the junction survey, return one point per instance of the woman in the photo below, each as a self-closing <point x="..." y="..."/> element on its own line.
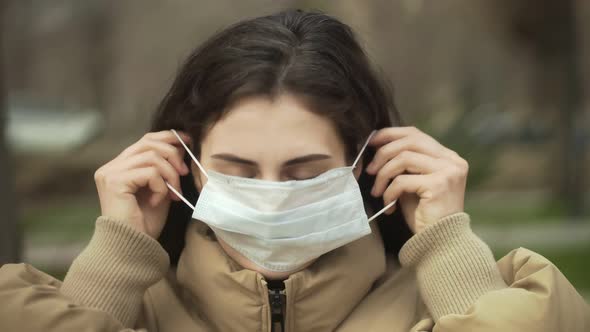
<point x="275" y="113"/>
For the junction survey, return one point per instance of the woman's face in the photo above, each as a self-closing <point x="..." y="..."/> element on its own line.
<point x="276" y="140"/>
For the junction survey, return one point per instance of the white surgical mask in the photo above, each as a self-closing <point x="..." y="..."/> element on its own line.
<point x="281" y="226"/>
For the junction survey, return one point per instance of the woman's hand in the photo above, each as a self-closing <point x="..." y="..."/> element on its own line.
<point x="131" y="187"/>
<point x="428" y="178"/>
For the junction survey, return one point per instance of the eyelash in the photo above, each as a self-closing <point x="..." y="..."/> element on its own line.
<point x="288" y="178"/>
<point x="303" y="178"/>
<point x="296" y="174"/>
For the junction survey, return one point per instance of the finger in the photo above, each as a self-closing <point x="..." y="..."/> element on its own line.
<point x="389" y="134"/>
<point x="421" y="143"/>
<point x="410" y="143"/>
<point x="406" y="161"/>
<point x="167" y="136"/>
<point x="152" y="158"/>
<point x="406" y="183"/>
<point x="147" y="177"/>
<point x="174" y="154"/>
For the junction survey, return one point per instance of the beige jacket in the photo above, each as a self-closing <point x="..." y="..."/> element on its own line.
<point x="448" y="280"/>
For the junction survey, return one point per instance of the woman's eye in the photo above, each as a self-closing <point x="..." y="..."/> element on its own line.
<point x="249" y="175"/>
<point x="242" y="172"/>
<point x="300" y="177"/>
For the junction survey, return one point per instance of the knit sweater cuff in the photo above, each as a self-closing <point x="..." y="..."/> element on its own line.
<point x="454" y="267"/>
<point x="113" y="272"/>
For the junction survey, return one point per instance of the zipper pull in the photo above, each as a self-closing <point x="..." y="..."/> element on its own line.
<point x="277" y="297"/>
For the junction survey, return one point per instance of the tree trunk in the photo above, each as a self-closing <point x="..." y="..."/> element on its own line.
<point x="10" y="236"/>
<point x="548" y="30"/>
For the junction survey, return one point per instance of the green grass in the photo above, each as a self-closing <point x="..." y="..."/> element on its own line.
<point x="61" y="221"/>
<point x="510" y="213"/>
<point x="573" y="263"/>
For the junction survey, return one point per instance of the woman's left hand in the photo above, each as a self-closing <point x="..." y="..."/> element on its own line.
<point x="428" y="178"/>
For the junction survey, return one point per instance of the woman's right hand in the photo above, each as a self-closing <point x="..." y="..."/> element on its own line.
<point x="132" y="187"/>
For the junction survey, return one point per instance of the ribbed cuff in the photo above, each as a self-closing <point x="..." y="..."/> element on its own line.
<point x="454" y="267"/>
<point x="113" y="272"/>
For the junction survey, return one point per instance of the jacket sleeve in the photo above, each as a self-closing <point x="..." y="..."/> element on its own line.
<point x="465" y="289"/>
<point x="102" y="291"/>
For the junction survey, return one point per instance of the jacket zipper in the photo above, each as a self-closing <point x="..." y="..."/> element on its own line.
<point x="277" y="297"/>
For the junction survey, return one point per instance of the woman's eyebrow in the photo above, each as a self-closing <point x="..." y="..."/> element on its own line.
<point x="306" y="158"/>
<point x="234" y="159"/>
<point x="299" y="160"/>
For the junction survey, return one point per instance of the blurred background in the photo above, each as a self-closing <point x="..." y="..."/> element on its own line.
<point x="504" y="83"/>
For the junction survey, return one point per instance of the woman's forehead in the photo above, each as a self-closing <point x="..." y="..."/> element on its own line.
<point x="283" y="125"/>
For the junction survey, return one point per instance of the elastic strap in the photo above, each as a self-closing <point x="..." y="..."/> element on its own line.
<point x="196" y="162"/>
<point x="382" y="210"/>
<point x="358" y="157"/>
<point x="180" y="196"/>
<point x="190" y="153"/>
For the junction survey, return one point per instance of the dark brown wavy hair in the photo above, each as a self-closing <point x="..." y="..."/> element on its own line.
<point x="308" y="54"/>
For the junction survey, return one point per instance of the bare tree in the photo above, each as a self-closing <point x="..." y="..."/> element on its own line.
<point x="548" y="31"/>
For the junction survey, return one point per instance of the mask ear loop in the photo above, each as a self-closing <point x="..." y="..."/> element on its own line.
<point x="385" y="208"/>
<point x="381" y="211"/>
<point x="180" y="196"/>
<point x="358" y="157"/>
<point x="190" y="153"/>
<point x="198" y="165"/>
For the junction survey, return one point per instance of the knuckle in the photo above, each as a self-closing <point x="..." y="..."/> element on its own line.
<point x="387" y="195"/>
<point x="379" y="155"/>
<point x="153" y="172"/>
<point x="385" y="131"/>
<point x="454" y="175"/>
<point x="99" y="175"/>
<point x="412" y="141"/>
<point x="177" y="155"/>
<point x="405" y="156"/>
<point x="398" y="181"/>
<point x="153" y="155"/>
<point x="171" y="150"/>
<point x="461" y="169"/>
<point x="464" y="165"/>
<point x="127" y="150"/>
<point x="389" y="192"/>
<point x="443" y="182"/>
<point x="379" y="177"/>
<point x="110" y="182"/>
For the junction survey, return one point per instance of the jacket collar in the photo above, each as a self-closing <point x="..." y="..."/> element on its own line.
<point x="319" y="297"/>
